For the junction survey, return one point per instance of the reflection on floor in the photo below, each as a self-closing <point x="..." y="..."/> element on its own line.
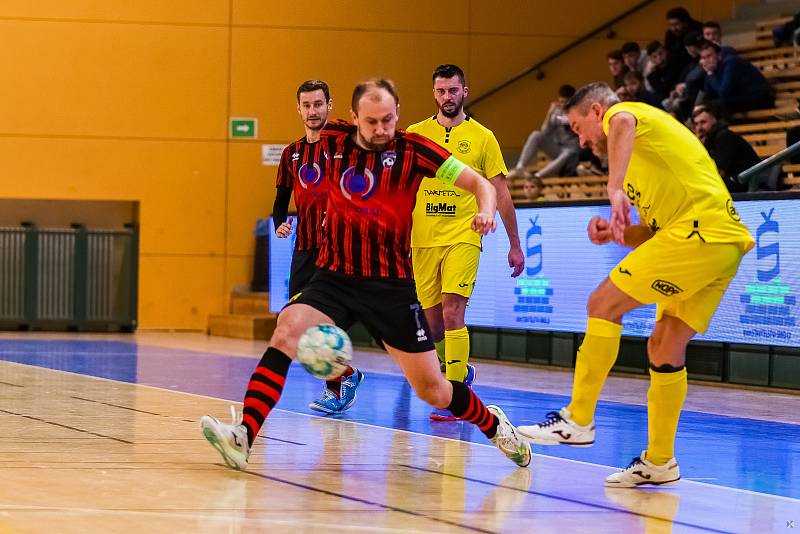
<point x="126" y="451"/>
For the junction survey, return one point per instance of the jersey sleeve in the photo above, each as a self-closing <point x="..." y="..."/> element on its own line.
<point x="493" y="163"/>
<point x="429" y="156"/>
<point x="622" y="107"/>
<point x="337" y="128"/>
<point x="284" y="178"/>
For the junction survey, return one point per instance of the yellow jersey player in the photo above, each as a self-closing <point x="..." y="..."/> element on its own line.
<point x="445" y="251"/>
<point x="687" y="249"/>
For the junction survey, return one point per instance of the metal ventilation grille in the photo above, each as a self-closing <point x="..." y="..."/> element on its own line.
<point x="12" y="273"/>
<point x="56" y="299"/>
<point x="104" y="269"/>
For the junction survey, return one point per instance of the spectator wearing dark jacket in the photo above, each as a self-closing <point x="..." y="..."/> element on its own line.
<point x="729" y="150"/>
<point x="635" y="91"/>
<point x="679" y="23"/>
<point x="733" y="83"/>
<point x="664" y="74"/>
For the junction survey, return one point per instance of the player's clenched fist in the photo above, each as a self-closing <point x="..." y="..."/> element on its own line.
<point x="285" y="229"/>
<point x="483" y="223"/>
<point x="599" y="231"/>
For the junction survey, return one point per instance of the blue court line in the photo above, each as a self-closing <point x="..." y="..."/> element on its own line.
<point x="748" y="454"/>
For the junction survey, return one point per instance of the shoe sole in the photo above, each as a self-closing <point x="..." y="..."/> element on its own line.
<point x="318" y="408"/>
<point x="648" y="483"/>
<point x="215" y="441"/>
<point x="541" y="441"/>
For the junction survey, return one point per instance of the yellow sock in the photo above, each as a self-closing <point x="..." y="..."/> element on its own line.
<point x="456" y="352"/>
<point x="664" y="402"/>
<point x="596" y="357"/>
<point x="439" y="350"/>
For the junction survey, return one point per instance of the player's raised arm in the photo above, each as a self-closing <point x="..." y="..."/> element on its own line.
<point x="459" y="174"/>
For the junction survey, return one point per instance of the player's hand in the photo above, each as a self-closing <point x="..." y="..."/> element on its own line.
<point x="285" y="229"/>
<point x="483" y="223"/>
<point x="620" y="216"/>
<point x="599" y="231"/>
<point x="516" y="260"/>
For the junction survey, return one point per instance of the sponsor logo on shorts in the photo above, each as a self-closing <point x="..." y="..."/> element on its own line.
<point x="421" y="335"/>
<point x="666" y="288"/>
<point x="440" y="209"/>
<point x="464" y="146"/>
<point x="460" y="284"/>
<point x="624" y="271"/>
<point x="731" y="210"/>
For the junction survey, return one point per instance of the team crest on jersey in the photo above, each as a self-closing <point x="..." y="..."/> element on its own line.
<point x="358" y="186"/>
<point x="309" y="175"/>
<point x="464" y="146"/>
<point x="388" y="158"/>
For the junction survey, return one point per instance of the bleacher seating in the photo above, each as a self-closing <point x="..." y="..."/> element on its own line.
<point x="764" y="129"/>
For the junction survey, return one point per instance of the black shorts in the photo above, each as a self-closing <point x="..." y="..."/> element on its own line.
<point x="389" y="309"/>
<point x="303" y="268"/>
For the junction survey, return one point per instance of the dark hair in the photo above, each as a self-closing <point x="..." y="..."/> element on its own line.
<point x="679" y="13"/>
<point x="712" y="24"/>
<point x="635" y="74"/>
<point x="596" y="91"/>
<point x="448" y="71"/>
<point x="631" y="47"/>
<point x="693" y="39"/>
<point x="615" y="55"/>
<point x="710" y="44"/>
<point x="309" y="86"/>
<point x="705" y="108"/>
<point x="653" y="46"/>
<point x="370" y="86"/>
<point x="566" y="91"/>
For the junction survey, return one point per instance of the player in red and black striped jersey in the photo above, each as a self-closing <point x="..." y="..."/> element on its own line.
<point x="364" y="274"/>
<point x="301" y="173"/>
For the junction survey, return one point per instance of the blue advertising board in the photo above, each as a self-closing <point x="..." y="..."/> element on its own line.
<point x="563" y="267"/>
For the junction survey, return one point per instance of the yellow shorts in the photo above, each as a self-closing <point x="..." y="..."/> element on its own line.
<point x="447" y="269"/>
<point x="686" y="279"/>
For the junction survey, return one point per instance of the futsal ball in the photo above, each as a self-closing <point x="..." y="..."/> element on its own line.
<point x="325" y="351"/>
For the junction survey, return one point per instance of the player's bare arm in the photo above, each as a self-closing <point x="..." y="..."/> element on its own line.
<point x="505" y="205"/>
<point x="621" y="136"/>
<point x="486" y="196"/>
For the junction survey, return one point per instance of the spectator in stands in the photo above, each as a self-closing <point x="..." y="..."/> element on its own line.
<point x="634" y="57"/>
<point x="733" y="83"/>
<point x="555" y="139"/>
<point x="590" y="165"/>
<point x="712" y="31"/>
<point x="730" y="151"/>
<point x="679" y="23"/>
<point x="664" y="74"/>
<point x="789" y="33"/>
<point x="617" y="67"/>
<point x="635" y="91"/>
<point x="682" y="98"/>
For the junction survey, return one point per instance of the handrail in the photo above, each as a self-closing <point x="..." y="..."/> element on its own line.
<point x="538" y="66"/>
<point x="752" y="173"/>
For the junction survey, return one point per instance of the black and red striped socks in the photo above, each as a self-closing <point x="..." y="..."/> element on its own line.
<point x="264" y="390"/>
<point x="467" y="406"/>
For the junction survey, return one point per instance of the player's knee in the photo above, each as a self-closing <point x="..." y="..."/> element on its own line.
<point x="434" y="392"/>
<point x="598" y="306"/>
<point x="284" y="340"/>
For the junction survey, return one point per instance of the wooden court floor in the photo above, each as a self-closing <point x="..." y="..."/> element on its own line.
<point x="80" y="453"/>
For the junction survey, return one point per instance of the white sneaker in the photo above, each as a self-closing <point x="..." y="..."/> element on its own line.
<point x="508" y="441"/>
<point x="559" y="428"/>
<point x="641" y="472"/>
<point x="229" y="440"/>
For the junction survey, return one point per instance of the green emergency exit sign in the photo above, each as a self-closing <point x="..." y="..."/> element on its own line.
<point x="244" y="127"/>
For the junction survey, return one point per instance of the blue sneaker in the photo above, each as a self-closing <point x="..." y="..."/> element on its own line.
<point x="347" y="394"/>
<point x="445" y="415"/>
<point x="329" y="404"/>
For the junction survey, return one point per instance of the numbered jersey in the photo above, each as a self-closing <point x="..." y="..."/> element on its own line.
<point x="674" y="183"/>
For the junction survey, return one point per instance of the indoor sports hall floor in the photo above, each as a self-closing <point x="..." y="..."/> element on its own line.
<point x="100" y="434"/>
